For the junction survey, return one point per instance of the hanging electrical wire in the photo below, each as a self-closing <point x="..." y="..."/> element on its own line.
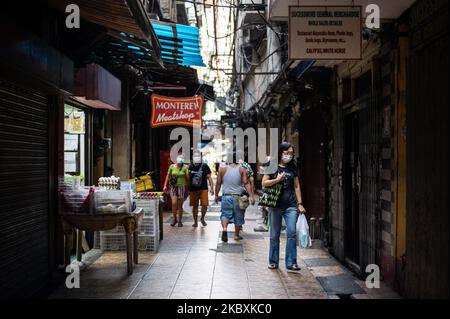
<point x="211" y="5"/>
<point x="227" y="39"/>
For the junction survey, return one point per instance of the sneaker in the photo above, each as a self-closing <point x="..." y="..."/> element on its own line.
<point x="195" y="225"/>
<point x="203" y="222"/>
<point x="293" y="269"/>
<point x="272" y="266"/>
<point x="180" y="224"/>
<point x="224" y="236"/>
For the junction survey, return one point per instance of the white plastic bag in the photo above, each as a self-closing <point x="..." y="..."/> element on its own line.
<point x="302" y="229"/>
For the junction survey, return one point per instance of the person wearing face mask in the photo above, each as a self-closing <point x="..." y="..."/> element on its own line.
<point x="289" y="205"/>
<point x="200" y="174"/>
<point x="178" y="178"/>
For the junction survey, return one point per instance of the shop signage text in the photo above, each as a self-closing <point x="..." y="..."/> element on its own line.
<point x="176" y="111"/>
<point x="325" y="33"/>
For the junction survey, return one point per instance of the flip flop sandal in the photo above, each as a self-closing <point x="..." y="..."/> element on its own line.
<point x="237" y="238"/>
<point x="224" y="236"/>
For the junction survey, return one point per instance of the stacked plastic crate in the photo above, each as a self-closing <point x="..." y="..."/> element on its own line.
<point x="149" y="228"/>
<point x="113" y="239"/>
<point x="148" y="231"/>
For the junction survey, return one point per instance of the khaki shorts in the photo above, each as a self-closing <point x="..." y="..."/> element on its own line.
<point x="201" y="195"/>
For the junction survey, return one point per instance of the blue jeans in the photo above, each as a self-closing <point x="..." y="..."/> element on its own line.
<point x="230" y="210"/>
<point x="290" y="216"/>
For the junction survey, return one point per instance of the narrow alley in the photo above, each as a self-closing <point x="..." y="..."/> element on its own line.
<point x="192" y="263"/>
<point x="319" y="126"/>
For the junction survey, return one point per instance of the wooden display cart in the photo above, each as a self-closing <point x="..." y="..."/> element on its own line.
<point x="102" y="222"/>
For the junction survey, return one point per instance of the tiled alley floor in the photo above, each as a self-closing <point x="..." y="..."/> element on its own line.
<point x="193" y="263"/>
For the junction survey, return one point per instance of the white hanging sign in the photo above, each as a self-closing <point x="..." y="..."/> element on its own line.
<point x="325" y="33"/>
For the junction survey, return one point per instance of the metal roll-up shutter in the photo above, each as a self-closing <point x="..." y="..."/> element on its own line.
<point x="24" y="191"/>
<point x="367" y="179"/>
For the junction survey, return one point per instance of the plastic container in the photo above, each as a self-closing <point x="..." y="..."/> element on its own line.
<point x="113" y="201"/>
<point x="149" y="226"/>
<point x="117" y="242"/>
<point x="149" y="206"/>
<point x="78" y="201"/>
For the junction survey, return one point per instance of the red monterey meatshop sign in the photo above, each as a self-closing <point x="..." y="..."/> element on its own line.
<point x="176" y="110"/>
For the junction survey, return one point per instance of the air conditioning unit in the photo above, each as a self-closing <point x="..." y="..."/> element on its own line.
<point x="256" y="35"/>
<point x="254" y="3"/>
<point x="247" y="50"/>
<point x="245" y="36"/>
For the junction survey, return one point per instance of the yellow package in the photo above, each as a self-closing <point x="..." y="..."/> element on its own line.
<point x="143" y="185"/>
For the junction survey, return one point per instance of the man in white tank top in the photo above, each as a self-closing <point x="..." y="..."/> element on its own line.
<point x="233" y="178"/>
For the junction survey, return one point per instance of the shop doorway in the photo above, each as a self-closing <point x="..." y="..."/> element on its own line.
<point x="361" y="183"/>
<point x="312" y="155"/>
<point x="76" y="144"/>
<point x="351" y="191"/>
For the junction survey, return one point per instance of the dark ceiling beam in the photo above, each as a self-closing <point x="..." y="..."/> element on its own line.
<point x="139" y="13"/>
<point x="90" y="45"/>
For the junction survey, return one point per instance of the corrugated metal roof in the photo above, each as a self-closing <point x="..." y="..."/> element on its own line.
<point x="179" y="45"/>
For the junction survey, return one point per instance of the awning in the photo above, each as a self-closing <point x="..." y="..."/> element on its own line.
<point x="126" y="16"/>
<point x="179" y="45"/>
<point x="97" y="88"/>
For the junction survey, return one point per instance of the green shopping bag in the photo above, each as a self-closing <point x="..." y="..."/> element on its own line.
<point x="270" y="195"/>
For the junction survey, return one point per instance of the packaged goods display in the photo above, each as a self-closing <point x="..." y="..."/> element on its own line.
<point x="77" y="201"/>
<point x="143" y="183"/>
<point x="148" y="195"/>
<point x="128" y="186"/>
<point x="109" y="183"/>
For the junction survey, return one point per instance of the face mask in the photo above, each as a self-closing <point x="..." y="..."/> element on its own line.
<point x="197" y="159"/>
<point x="286" y="158"/>
<point x="180" y="160"/>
